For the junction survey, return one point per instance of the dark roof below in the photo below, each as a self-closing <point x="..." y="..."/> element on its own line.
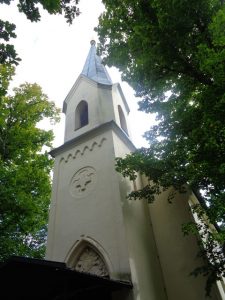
<point x="27" y="278"/>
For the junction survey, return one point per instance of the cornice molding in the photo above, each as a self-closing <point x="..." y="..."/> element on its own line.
<point x="94" y="132"/>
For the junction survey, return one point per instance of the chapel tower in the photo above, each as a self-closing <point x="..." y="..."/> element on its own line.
<point x="93" y="227"/>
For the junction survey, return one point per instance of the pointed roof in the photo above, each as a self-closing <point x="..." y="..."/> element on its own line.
<point x="94" y="69"/>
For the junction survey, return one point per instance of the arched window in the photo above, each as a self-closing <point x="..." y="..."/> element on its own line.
<point x="81" y="115"/>
<point x="123" y="123"/>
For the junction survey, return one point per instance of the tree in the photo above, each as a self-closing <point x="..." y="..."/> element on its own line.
<point x="25" y="168"/>
<point x="32" y="11"/>
<point x="172" y="53"/>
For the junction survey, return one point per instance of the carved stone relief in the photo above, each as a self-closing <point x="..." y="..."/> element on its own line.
<point x="90" y="262"/>
<point x="83" y="182"/>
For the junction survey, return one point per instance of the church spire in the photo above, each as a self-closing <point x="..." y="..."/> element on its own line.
<point x="94" y="69"/>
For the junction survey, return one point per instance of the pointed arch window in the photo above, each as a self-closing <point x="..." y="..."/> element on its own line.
<point x="81" y="115"/>
<point x="123" y="122"/>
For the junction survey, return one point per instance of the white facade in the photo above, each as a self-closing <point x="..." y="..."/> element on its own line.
<point x="93" y="227"/>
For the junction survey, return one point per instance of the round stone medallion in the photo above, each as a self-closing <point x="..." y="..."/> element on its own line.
<point x="83" y="182"/>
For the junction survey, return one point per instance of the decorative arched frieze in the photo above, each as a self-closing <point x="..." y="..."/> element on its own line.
<point x="90" y="147"/>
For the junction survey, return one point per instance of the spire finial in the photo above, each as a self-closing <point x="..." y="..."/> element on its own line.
<point x="93" y="42"/>
<point x="93" y="67"/>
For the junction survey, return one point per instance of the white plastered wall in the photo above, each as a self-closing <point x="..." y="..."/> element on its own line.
<point x="97" y="215"/>
<point x="177" y="253"/>
<point x="144" y="263"/>
<point x="100" y="107"/>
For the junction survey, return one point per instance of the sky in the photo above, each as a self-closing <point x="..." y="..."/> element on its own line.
<point x="53" y="54"/>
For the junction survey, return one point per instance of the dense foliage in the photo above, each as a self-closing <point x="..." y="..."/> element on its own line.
<point x="32" y="11"/>
<point x="173" y="54"/>
<point x="24" y="168"/>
